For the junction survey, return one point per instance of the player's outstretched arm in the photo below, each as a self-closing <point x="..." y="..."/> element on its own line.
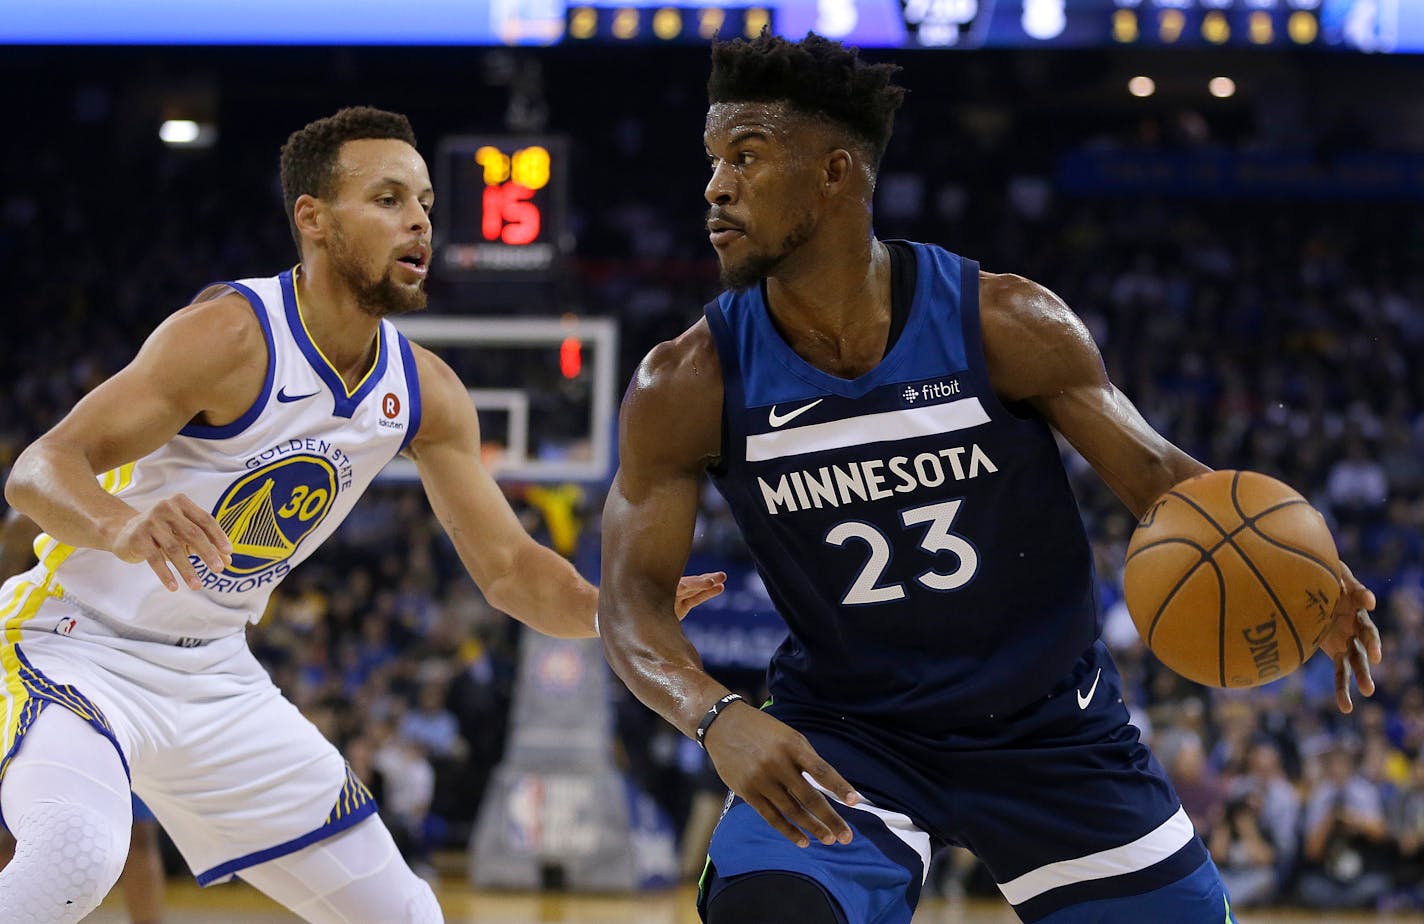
<point x="1039" y="352"/>
<point x="529" y="581"/>
<point x="669" y="431"/>
<point x="205" y="362"/>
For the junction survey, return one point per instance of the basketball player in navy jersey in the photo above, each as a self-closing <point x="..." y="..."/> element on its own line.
<point x="176" y="495"/>
<point x="880" y="417"/>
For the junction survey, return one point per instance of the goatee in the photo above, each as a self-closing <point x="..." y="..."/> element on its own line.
<point x="757" y="266"/>
<point x="378" y="298"/>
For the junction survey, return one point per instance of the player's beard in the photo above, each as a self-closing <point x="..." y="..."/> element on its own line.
<point x="756" y="266"/>
<point x="379" y="297"/>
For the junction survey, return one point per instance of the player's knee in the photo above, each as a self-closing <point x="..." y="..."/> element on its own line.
<point x="403" y="899"/>
<point x="91" y="848"/>
<point x="70" y="855"/>
<point x="421" y="906"/>
<point x="772" y="898"/>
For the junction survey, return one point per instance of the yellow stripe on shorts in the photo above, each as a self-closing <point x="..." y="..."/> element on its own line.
<point x="353" y="796"/>
<point x="25" y="601"/>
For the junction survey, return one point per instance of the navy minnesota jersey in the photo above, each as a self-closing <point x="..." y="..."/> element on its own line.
<point x="919" y="538"/>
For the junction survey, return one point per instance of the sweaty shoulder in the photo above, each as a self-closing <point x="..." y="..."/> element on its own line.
<point x="216" y="347"/>
<point x="673" y="407"/>
<point x="1034" y="344"/>
<point x="220" y="317"/>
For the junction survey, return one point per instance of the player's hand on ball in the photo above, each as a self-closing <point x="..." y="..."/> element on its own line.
<point x="698" y="588"/>
<point x="1352" y="640"/>
<point x="763" y="760"/>
<point x="167" y="534"/>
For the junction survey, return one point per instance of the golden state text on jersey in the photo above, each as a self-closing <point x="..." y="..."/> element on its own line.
<point x="278" y="480"/>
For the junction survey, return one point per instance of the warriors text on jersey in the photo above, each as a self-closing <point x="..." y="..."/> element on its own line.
<point x="278" y="480"/>
<point x="919" y="538"/>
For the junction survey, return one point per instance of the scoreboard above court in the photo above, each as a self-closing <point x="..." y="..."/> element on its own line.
<point x="1360" y="25"/>
<point x="1367" y="25"/>
<point x="500" y="202"/>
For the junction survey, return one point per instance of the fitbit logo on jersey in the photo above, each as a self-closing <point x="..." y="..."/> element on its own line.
<point x="930" y="391"/>
<point x="872" y="479"/>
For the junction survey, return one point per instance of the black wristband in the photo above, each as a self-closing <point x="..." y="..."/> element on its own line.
<point x="712" y="714"/>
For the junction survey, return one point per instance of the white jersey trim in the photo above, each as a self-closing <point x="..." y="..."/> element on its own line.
<point x="1152" y="848"/>
<point x="896" y="823"/>
<point x="884" y="427"/>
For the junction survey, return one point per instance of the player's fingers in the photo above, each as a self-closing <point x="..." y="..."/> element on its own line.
<point x="177" y="554"/>
<point x="1368" y="634"/>
<point x="199" y="543"/>
<point x="1360" y="664"/>
<point x="159" y="564"/>
<point x="816" y="813"/>
<point x="703" y="596"/>
<point x="210" y="528"/>
<point x="826" y="775"/>
<point x="696" y="584"/>
<point x="1360" y="595"/>
<point x="802" y="816"/>
<point x="1342" y="685"/>
<point x="786" y="829"/>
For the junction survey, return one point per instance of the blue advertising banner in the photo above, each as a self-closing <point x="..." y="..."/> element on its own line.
<point x="1226" y="174"/>
<point x="740" y="629"/>
<point x="1351" y="25"/>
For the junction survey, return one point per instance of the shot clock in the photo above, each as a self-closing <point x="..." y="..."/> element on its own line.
<point x="501" y="202"/>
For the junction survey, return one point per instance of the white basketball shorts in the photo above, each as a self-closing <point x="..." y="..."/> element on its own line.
<point x="234" y="773"/>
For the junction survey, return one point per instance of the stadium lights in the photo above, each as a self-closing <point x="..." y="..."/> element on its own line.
<point x="1141" y="86"/>
<point x="185" y="133"/>
<point x="1222" y="87"/>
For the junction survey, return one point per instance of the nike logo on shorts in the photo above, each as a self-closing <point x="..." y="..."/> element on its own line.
<point x="778" y="420"/>
<point x="285" y="398"/>
<point x="1085" y="698"/>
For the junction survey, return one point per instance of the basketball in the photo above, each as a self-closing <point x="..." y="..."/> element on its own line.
<point x="1232" y="579"/>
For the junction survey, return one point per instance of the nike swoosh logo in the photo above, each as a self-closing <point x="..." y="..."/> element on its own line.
<point x="1084" y="699"/>
<point x="778" y="420"/>
<point x="285" y="398"/>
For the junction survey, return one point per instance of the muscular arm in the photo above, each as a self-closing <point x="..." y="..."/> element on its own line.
<point x="669" y="431"/>
<point x="530" y="582"/>
<point x="205" y="362"/>
<point x="1039" y="352"/>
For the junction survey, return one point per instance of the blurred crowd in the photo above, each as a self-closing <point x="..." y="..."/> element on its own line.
<point x="1276" y="336"/>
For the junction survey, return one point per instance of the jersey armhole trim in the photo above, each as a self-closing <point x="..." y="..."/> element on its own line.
<point x="726" y="347"/>
<point x="227" y="431"/>
<point x="973" y="328"/>
<point x="412" y="388"/>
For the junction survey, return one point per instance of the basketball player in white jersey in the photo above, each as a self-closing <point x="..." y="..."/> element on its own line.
<point x="173" y="499"/>
<point x="142" y="879"/>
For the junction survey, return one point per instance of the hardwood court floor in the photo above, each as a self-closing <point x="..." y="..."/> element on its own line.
<point x="238" y="904"/>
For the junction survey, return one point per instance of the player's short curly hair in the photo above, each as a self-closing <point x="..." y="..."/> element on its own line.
<point x="310" y="154"/>
<point x="816" y="76"/>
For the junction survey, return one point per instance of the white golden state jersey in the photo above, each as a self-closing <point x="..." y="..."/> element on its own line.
<point x="278" y="480"/>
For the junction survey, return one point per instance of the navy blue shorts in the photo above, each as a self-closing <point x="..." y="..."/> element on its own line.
<point x="1070" y="812"/>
